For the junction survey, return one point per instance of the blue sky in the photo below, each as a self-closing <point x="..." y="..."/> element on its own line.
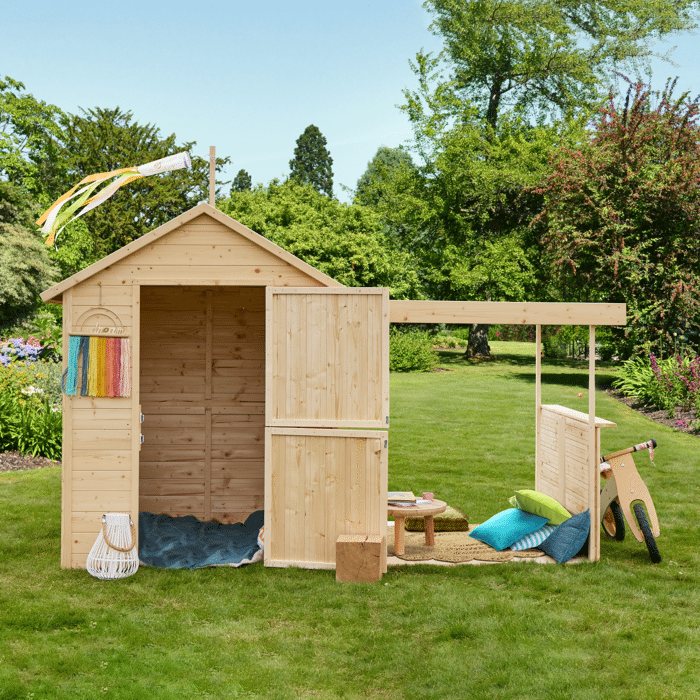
<point x="246" y="77"/>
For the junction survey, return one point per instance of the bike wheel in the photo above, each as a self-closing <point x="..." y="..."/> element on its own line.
<point x="614" y="522"/>
<point x="646" y="531"/>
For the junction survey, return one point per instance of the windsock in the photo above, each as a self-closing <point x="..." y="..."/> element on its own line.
<point x="80" y="200"/>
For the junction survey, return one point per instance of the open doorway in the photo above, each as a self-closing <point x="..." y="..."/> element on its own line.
<point x="202" y="380"/>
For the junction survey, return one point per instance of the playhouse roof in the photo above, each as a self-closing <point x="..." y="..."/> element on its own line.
<point x="55" y="293"/>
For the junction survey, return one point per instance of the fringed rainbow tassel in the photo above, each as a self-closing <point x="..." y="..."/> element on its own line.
<point x="125" y="370"/>
<point x="97" y="367"/>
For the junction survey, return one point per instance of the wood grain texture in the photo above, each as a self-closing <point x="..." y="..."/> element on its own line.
<point x="202" y="378"/>
<point x="322" y="484"/>
<point x="327" y="359"/>
<point x="519" y="313"/>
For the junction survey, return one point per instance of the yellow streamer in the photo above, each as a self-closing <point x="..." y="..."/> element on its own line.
<point x="86" y="201"/>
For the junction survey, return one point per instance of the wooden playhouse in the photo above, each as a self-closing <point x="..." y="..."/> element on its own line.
<point x="258" y="382"/>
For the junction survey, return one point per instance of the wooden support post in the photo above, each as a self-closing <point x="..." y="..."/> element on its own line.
<point x="212" y="175"/>
<point x="593" y="456"/>
<point x="538" y="403"/>
<point x="67" y="453"/>
<point x="135" y="403"/>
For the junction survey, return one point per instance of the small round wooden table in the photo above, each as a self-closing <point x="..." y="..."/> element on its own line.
<point x="420" y="510"/>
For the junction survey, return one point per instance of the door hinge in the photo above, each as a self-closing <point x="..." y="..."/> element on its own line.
<point x="387" y="420"/>
<point x="141" y="439"/>
<point x="386" y="443"/>
<point x="141" y="417"/>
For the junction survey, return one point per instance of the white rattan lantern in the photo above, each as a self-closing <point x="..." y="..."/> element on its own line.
<point x="114" y="553"/>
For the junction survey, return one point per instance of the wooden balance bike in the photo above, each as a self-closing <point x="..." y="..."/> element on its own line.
<point x="625" y="491"/>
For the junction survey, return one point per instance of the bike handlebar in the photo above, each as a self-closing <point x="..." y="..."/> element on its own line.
<point x="649" y="444"/>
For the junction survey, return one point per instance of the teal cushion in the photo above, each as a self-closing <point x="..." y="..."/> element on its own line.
<point x="507" y="527"/>
<point x="540" y="504"/>
<point x="566" y="541"/>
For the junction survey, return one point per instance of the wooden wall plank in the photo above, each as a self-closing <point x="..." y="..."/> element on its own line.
<point x="322" y="484"/>
<point x="67" y="444"/>
<point x="280" y="275"/>
<point x="204" y="402"/>
<point x="321" y="371"/>
<point x="518" y="313"/>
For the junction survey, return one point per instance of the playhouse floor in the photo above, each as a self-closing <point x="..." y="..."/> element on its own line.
<point x="396" y="561"/>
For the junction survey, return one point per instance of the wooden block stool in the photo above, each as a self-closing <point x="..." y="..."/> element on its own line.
<point x="360" y="557"/>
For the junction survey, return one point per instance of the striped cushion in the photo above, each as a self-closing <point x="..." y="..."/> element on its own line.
<point x="534" y="538"/>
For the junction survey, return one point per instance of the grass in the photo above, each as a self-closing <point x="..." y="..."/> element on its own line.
<point x="619" y="628"/>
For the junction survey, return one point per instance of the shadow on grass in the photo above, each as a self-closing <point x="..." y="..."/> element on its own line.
<point x="604" y="377"/>
<point x="602" y="381"/>
<point x="458" y="359"/>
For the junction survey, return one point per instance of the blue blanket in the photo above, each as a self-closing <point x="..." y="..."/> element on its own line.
<point x="187" y="543"/>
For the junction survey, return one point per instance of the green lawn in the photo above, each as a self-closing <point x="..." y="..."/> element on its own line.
<point x="621" y="628"/>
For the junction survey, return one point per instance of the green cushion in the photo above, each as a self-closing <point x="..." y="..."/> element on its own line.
<point x="540" y="504"/>
<point x="452" y="520"/>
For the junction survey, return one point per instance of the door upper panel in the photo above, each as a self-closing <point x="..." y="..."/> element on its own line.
<point x="327" y="362"/>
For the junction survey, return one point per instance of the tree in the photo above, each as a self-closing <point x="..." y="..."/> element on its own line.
<point x="241" y="182"/>
<point x="472" y="201"/>
<point x="621" y="217"/>
<point x="513" y="73"/>
<point x="101" y="140"/>
<point x="538" y="55"/>
<point x="30" y="136"/>
<point x="387" y="165"/>
<point x="344" y="241"/>
<point x="25" y="269"/>
<point x="312" y="161"/>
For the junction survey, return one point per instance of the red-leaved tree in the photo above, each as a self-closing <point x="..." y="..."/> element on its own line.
<point x="621" y="218"/>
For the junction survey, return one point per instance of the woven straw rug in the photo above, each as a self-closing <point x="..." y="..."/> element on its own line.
<point x="454" y="547"/>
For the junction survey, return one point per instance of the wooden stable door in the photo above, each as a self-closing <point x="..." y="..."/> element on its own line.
<point x="327" y="382"/>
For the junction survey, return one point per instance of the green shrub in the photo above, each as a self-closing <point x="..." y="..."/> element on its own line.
<point x="449" y="341"/>
<point x="565" y="341"/>
<point x="511" y="332"/>
<point x="49" y="331"/>
<point x="664" y="384"/>
<point x="28" y="428"/>
<point x="411" y="351"/>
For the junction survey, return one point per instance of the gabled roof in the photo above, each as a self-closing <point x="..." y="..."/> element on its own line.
<point x="55" y="293"/>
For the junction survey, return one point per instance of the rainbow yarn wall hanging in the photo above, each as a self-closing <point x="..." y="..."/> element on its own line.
<point x="97" y="366"/>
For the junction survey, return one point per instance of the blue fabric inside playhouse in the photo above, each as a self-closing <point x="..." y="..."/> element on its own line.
<point x="187" y="543"/>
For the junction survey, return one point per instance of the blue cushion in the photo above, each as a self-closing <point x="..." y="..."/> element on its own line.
<point x="566" y="541"/>
<point x="534" y="539"/>
<point x="507" y="527"/>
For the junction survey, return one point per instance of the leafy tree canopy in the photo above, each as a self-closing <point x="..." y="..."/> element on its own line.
<point x="100" y="140"/>
<point x="312" y="162"/>
<point x="241" y="182"/>
<point x="470" y="204"/>
<point x="387" y="165"/>
<point x="515" y="80"/>
<point x="30" y="136"/>
<point x="344" y="241"/>
<point x="25" y="268"/>
<point x="539" y="55"/>
<point x="621" y="217"/>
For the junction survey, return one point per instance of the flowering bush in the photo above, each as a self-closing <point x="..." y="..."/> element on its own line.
<point x="666" y="384"/>
<point x="16" y="349"/>
<point x="30" y="397"/>
<point x="32" y="381"/>
<point x="681" y="379"/>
